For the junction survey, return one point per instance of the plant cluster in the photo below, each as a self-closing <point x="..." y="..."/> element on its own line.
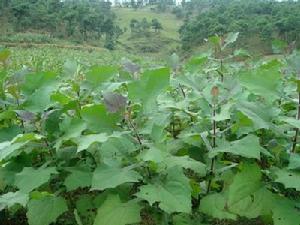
<point x="213" y="139"/>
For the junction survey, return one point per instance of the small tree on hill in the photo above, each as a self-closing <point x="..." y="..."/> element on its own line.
<point x="156" y="25"/>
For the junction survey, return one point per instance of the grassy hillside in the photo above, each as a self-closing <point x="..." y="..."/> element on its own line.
<point x="161" y="44"/>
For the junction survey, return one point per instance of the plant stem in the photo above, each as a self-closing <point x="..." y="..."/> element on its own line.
<point x="297" y="129"/>
<point x="212" y="166"/>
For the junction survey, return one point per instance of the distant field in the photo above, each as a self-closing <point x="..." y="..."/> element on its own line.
<point x="169" y="22"/>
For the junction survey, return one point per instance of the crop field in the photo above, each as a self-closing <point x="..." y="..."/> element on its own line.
<point x="208" y="141"/>
<point x="154" y="112"/>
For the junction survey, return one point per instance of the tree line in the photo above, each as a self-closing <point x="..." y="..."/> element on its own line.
<point x="267" y="19"/>
<point x="80" y="19"/>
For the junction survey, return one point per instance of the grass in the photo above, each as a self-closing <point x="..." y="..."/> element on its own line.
<point x="168" y="20"/>
<point x="154" y="45"/>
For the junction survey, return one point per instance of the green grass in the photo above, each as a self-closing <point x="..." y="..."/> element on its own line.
<point x="169" y="22"/>
<point x="154" y="45"/>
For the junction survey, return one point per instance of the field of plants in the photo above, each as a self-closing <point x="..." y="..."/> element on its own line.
<point x="212" y="140"/>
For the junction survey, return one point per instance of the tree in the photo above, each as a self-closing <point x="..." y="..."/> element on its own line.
<point x="156" y="25"/>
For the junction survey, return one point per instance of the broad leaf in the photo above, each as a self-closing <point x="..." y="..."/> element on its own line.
<point x="146" y="90"/>
<point x="110" y="177"/>
<point x="11" y="198"/>
<point x="114" y="212"/>
<point x="30" y="178"/>
<point x="79" y="178"/>
<point x="290" y="179"/>
<point x="98" y="119"/>
<point x="46" y="210"/>
<point x="248" y="147"/>
<point x="173" y="195"/>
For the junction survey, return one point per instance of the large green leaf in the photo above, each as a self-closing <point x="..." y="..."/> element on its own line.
<point x="165" y="160"/>
<point x="110" y="177"/>
<point x="85" y="141"/>
<point x="147" y="89"/>
<point x="114" y="212"/>
<point x="98" y="119"/>
<point x="248" y="147"/>
<point x="38" y="88"/>
<point x="285" y="213"/>
<point x="290" y="179"/>
<point x="79" y="178"/>
<point x="12" y="148"/>
<point x="215" y="205"/>
<point x="264" y="81"/>
<point x="99" y="74"/>
<point x="173" y="195"/>
<point x="46" y="210"/>
<point x="11" y="198"/>
<point x="260" y="114"/>
<point x="294" y="163"/>
<point x="31" y="178"/>
<point x="244" y="184"/>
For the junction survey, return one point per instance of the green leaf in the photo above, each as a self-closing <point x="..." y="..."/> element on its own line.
<point x="85" y="141"/>
<point x="230" y="39"/>
<point x="11" y="198"/>
<point x="173" y="195"/>
<point x="244" y="183"/>
<point x="79" y="178"/>
<point x="110" y="177"/>
<point x="98" y="119"/>
<point x="166" y="160"/>
<point x="290" y="179"/>
<point x="260" y="114"/>
<point x="294" y="163"/>
<point x="37" y="177"/>
<point x="99" y="74"/>
<point x="264" y="81"/>
<point x="147" y="89"/>
<point x="247" y="147"/>
<point x="215" y="205"/>
<point x="11" y="148"/>
<point x="38" y="88"/>
<point x="114" y="212"/>
<point x="285" y="213"/>
<point x="46" y="210"/>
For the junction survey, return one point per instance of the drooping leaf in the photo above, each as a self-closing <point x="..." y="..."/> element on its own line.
<point x="114" y="212"/>
<point x="11" y="148"/>
<point x="230" y="39"/>
<point x="46" y="210"/>
<point x="173" y="195"/>
<point x="248" y="147"/>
